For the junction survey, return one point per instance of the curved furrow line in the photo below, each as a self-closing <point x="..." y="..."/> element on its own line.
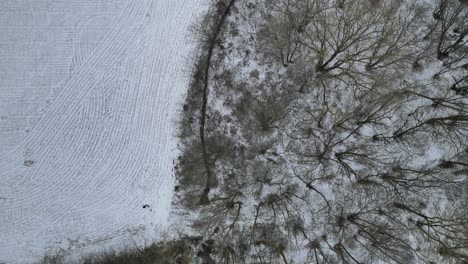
<point x="127" y="170"/>
<point x="105" y="166"/>
<point x="115" y="27"/>
<point x="156" y="181"/>
<point x="73" y="162"/>
<point x="164" y="177"/>
<point x="41" y="169"/>
<point x="167" y="105"/>
<point x="166" y="165"/>
<point x="87" y="116"/>
<point x="67" y="205"/>
<point x="89" y="83"/>
<point x="112" y="150"/>
<point x="143" y="107"/>
<point x="79" y="53"/>
<point x="54" y="186"/>
<point x="80" y="84"/>
<point x="58" y="134"/>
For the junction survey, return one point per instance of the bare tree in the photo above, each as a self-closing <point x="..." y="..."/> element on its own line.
<point x="452" y="17"/>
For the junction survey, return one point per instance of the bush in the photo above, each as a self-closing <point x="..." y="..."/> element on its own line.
<point x="177" y="251"/>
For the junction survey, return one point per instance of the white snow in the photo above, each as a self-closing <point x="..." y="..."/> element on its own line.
<point x="89" y="91"/>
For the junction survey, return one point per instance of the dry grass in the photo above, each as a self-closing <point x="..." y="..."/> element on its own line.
<point x="178" y="251"/>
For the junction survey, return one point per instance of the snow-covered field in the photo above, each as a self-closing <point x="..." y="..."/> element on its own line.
<point x="89" y="91"/>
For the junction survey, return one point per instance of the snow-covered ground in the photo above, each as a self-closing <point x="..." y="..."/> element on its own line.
<point x="89" y="91"/>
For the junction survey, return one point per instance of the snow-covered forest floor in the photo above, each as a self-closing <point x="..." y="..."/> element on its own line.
<point x="320" y="131"/>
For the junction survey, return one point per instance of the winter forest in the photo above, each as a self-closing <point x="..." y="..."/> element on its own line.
<point x="327" y="131"/>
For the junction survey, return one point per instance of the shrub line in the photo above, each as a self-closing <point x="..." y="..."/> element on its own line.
<point x="204" y="198"/>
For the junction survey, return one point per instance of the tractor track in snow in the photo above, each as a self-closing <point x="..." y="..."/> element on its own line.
<point x="105" y="146"/>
